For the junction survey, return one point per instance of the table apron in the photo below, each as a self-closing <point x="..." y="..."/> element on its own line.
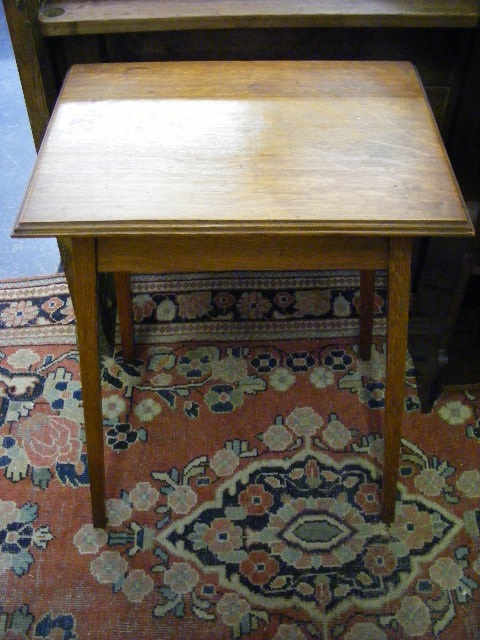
<point x="177" y="253"/>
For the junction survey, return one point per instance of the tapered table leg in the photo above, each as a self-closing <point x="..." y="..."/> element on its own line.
<point x="367" y="305"/>
<point x="397" y="330"/>
<point x="86" y="312"/>
<point x="125" y="314"/>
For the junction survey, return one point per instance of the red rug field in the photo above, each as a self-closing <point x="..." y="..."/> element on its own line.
<point x="244" y="457"/>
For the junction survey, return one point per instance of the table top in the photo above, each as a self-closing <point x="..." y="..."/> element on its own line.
<point x="202" y="147"/>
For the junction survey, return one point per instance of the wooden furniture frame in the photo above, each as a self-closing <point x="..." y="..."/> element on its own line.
<point x="259" y="165"/>
<point x="66" y="17"/>
<point x="50" y="35"/>
<point x="440" y="37"/>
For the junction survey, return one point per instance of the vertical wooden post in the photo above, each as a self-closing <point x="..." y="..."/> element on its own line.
<point x="83" y="259"/>
<point x="397" y="337"/>
<point x="367" y="305"/>
<point x="65" y="250"/>
<point x="33" y="62"/>
<point x="125" y="313"/>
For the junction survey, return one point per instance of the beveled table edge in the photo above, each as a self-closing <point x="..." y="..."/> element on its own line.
<point x="149" y="227"/>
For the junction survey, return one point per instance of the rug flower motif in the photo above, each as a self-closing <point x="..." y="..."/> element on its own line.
<point x="243" y="474"/>
<point x="278" y="530"/>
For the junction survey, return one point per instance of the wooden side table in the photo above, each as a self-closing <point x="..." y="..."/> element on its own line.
<point x="178" y="167"/>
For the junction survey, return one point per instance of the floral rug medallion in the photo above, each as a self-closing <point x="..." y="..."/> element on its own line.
<point x="305" y="532"/>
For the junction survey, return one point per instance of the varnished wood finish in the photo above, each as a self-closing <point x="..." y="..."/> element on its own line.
<point x="184" y="253"/>
<point x="31" y="53"/>
<point x="65" y="250"/>
<point x="50" y="56"/>
<point x="125" y="313"/>
<point x="69" y="17"/>
<point x="367" y="305"/>
<point x="327" y="147"/>
<point x="397" y="326"/>
<point x="83" y="257"/>
<point x="213" y="166"/>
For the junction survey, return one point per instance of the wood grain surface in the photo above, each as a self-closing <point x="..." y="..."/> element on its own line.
<point x="70" y="17"/>
<point x="84" y="284"/>
<point x="323" y="147"/>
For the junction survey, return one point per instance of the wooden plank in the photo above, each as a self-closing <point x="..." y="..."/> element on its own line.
<point x="32" y="61"/>
<point x="125" y="314"/>
<point x="328" y="147"/>
<point x="367" y="308"/>
<point x="85" y="296"/>
<point x="397" y="326"/>
<point x="73" y="17"/>
<point x="437" y="53"/>
<point x="191" y="252"/>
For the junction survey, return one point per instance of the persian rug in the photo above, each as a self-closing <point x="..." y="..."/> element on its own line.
<point x="244" y="456"/>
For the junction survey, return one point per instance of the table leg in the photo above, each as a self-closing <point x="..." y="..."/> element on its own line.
<point x="125" y="314"/>
<point x="397" y="330"/>
<point x="65" y="250"/>
<point x="83" y="255"/>
<point x="367" y="305"/>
